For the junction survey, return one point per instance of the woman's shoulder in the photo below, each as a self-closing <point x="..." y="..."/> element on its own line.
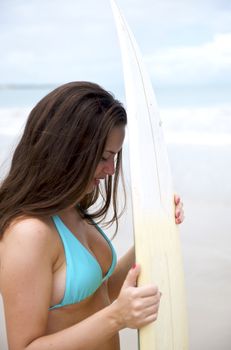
<point x="30" y="233"/>
<point x="28" y="226"/>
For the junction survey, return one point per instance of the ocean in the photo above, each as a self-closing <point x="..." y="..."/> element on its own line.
<point x="197" y="125"/>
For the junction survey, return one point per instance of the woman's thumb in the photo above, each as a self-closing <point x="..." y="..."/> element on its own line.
<point x="131" y="279"/>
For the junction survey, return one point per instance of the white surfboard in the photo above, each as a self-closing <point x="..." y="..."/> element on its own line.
<point x="156" y="235"/>
<point x="3" y="337"/>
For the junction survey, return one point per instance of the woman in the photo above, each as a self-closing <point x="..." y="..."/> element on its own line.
<point x="59" y="275"/>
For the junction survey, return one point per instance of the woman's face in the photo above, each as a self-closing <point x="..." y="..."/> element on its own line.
<point x="106" y="165"/>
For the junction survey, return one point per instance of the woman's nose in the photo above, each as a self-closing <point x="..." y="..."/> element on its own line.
<point x="109" y="168"/>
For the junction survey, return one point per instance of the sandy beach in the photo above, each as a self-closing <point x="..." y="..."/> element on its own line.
<point x="201" y="173"/>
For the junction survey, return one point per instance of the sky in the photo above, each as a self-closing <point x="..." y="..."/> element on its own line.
<point x="183" y="42"/>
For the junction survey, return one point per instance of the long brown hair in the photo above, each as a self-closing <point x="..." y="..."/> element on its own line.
<point x="58" y="153"/>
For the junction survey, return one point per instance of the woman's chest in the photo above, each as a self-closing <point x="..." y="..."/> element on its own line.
<point x="84" y="259"/>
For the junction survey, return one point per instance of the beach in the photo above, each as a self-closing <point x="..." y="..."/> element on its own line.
<point x="199" y="145"/>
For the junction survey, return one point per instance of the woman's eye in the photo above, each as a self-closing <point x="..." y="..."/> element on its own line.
<point x="105" y="159"/>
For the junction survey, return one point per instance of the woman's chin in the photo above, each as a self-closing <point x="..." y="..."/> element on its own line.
<point x="92" y="186"/>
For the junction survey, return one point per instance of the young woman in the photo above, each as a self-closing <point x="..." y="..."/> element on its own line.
<point x="58" y="270"/>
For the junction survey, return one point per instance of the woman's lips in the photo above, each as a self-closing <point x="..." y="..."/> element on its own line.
<point x="96" y="182"/>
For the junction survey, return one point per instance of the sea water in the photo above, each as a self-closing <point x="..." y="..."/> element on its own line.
<point x="196" y="122"/>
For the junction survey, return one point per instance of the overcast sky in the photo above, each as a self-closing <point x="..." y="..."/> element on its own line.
<point x="184" y="42"/>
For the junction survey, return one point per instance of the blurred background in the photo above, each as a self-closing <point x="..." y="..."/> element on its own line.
<point x="186" y="45"/>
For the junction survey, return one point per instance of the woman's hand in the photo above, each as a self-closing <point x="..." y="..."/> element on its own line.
<point x="136" y="306"/>
<point x="179" y="211"/>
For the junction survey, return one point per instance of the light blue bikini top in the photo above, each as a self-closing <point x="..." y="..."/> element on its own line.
<point x="83" y="272"/>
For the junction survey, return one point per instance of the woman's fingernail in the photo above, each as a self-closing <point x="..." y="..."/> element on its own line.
<point x="133" y="266"/>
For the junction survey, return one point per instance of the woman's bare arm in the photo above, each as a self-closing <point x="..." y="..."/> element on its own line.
<point x="128" y="260"/>
<point x="116" y="280"/>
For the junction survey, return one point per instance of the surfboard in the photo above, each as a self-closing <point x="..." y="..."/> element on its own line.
<point x="3" y="337"/>
<point x="156" y="236"/>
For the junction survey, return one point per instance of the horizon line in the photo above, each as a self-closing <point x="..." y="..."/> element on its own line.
<point x="22" y="86"/>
